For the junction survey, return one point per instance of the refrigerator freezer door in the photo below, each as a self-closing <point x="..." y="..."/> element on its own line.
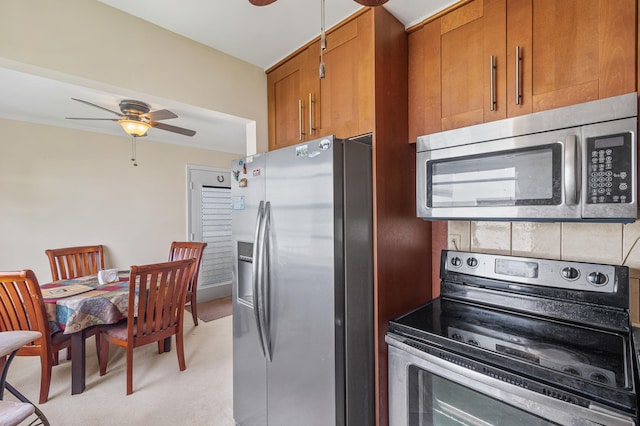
<point x="249" y="364"/>
<point x="301" y="377"/>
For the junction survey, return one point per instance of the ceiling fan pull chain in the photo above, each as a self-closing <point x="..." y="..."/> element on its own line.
<point x="133" y="151"/>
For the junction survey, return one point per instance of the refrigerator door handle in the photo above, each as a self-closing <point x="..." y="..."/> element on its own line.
<point x="264" y="274"/>
<point x="255" y="275"/>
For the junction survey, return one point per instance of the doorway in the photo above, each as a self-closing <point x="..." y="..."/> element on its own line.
<point x="209" y="220"/>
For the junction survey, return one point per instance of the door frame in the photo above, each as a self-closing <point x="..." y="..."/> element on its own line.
<point x="209" y="292"/>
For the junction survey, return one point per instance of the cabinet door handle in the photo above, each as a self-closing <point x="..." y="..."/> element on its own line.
<point x="492" y="83"/>
<point x="300" y="130"/>
<point x="518" y="81"/>
<point x="311" y="102"/>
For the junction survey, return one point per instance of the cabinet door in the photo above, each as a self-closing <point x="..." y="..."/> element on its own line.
<point x="519" y="57"/>
<point x="346" y="92"/>
<point x="582" y="50"/>
<point x="290" y="87"/>
<point x="473" y="37"/>
<point x="425" y="88"/>
<point x="284" y="92"/>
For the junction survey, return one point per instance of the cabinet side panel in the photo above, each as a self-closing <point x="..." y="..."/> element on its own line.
<point x="417" y="83"/>
<point x="402" y="241"/>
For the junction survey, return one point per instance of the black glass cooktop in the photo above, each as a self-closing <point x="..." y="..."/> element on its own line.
<point x="580" y="359"/>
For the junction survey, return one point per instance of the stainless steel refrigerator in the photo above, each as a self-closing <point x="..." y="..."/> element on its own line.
<point x="303" y="335"/>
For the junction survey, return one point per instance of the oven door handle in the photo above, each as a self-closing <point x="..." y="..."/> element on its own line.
<point x="571" y="170"/>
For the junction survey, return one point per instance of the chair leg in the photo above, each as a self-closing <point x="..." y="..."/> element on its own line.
<point x="129" y="369"/>
<point x="68" y="354"/>
<point x="98" y="339"/>
<point x="160" y="347"/>
<point x="180" y="350"/>
<point x="103" y="355"/>
<point x="46" y="361"/>
<point x="194" y="307"/>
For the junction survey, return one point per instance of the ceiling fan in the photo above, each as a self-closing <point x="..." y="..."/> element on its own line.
<point x="136" y="118"/>
<point x="372" y="3"/>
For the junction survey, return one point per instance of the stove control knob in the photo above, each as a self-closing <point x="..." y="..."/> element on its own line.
<point x="597" y="278"/>
<point x="456" y="261"/>
<point x="569" y="273"/>
<point x="472" y="262"/>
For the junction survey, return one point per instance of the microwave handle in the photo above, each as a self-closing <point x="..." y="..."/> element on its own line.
<point x="571" y="170"/>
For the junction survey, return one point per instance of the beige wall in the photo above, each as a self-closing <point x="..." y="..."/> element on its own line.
<point x="83" y="41"/>
<point x="609" y="243"/>
<point x="62" y="187"/>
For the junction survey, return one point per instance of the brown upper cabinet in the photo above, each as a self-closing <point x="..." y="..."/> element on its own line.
<point x="302" y="106"/>
<point x="290" y="88"/>
<point x="491" y="59"/>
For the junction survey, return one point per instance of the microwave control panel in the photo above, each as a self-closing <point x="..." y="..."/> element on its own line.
<point x="609" y="169"/>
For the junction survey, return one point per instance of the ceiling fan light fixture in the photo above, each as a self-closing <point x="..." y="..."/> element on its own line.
<point x="134" y="128"/>
<point x="371" y="3"/>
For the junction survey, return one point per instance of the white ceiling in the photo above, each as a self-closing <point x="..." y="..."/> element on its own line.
<point x="261" y="35"/>
<point x="258" y="35"/>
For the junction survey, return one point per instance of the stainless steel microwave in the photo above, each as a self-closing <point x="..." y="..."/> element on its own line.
<point x="576" y="163"/>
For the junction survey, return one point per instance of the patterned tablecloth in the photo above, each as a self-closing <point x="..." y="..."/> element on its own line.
<point x="73" y="305"/>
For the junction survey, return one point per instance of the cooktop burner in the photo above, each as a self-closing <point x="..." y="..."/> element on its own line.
<point x="529" y="327"/>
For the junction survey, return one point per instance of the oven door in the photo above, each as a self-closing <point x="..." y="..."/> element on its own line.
<point x="427" y="390"/>
<point x="533" y="176"/>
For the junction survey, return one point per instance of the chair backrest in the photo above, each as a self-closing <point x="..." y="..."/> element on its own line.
<point x="187" y="250"/>
<point x="71" y="262"/>
<point x="156" y="299"/>
<point x="22" y="308"/>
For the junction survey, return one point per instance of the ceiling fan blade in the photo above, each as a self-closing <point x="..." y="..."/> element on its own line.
<point x="371" y="3"/>
<point x="261" y="2"/>
<point x="161" y="114"/>
<point x="173" y="129"/>
<point x="86" y="118"/>
<point x="98" y="106"/>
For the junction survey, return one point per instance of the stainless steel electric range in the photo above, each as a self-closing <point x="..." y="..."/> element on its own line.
<point x="517" y="341"/>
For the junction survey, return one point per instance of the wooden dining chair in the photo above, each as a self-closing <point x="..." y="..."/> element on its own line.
<point x="72" y="262"/>
<point x="22" y="308"/>
<point x="155" y="312"/>
<point x="186" y="250"/>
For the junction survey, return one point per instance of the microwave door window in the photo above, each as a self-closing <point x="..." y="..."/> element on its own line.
<point x="507" y="178"/>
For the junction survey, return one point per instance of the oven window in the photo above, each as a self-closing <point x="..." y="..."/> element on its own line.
<point x="436" y="401"/>
<point x="508" y="178"/>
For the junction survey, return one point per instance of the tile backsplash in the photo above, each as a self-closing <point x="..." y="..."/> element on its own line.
<point x="609" y="243"/>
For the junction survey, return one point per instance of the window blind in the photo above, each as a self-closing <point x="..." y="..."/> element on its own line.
<point x="216" y="267"/>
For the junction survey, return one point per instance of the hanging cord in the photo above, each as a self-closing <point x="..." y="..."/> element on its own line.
<point x="133" y="151"/>
<point x="624" y="261"/>
<point x="323" y="40"/>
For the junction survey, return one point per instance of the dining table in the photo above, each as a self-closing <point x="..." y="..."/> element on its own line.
<point x="76" y="305"/>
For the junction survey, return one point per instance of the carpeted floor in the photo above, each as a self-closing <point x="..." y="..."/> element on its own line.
<point x="213" y="309"/>
<point x="162" y="394"/>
